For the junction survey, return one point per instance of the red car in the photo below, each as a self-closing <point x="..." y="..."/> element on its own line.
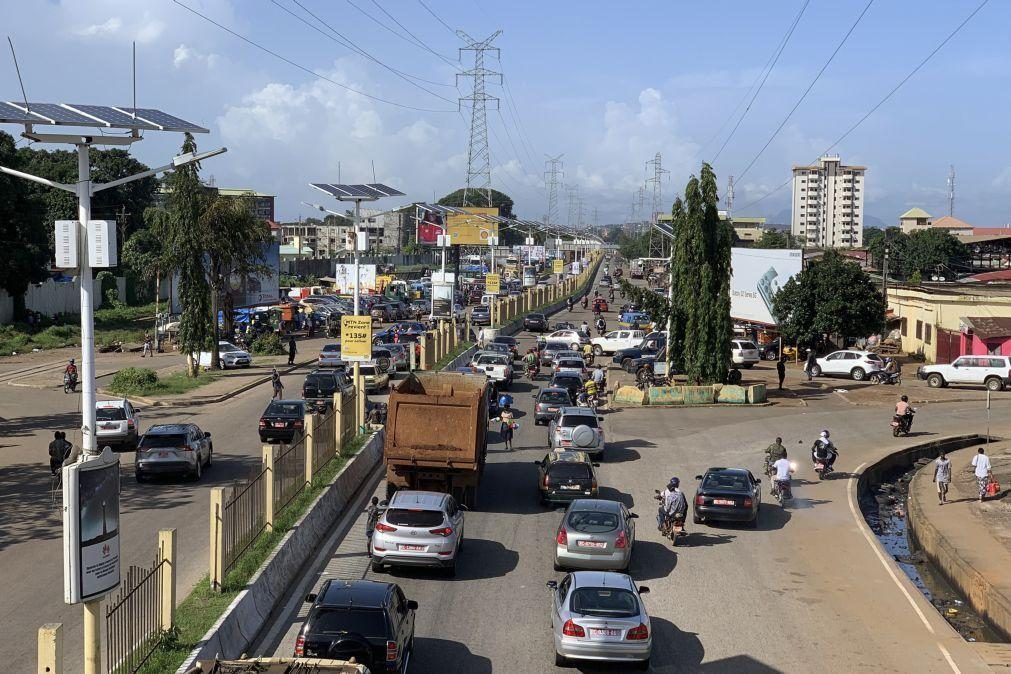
<point x="600" y="304"/>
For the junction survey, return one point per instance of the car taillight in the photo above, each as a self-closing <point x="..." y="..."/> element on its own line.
<point x="622" y="541"/>
<point x="391" y="651"/>
<point x="558" y="368"/>
<point x="441" y="531"/>
<point x="747" y="503"/>
<point x="129" y="423"/>
<point x="638" y="633"/>
<point x="384" y="527"/>
<point x="698" y="499"/>
<point x="547" y="481"/>
<point x="300" y="647"/>
<point x="562" y="538"/>
<point x="571" y="629"/>
<point x="263" y="423"/>
<point x="186" y="448"/>
<point x="593" y="483"/>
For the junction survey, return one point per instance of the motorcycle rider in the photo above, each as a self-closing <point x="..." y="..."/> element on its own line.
<point x="531" y="362"/>
<point x="673" y="503"/>
<point x="893" y="371"/>
<point x="904" y="413"/>
<point x="601" y="326"/>
<point x="585" y="328"/>
<point x="824" y="451"/>
<point x="71" y="370"/>
<point x="588" y="354"/>
<point x="586" y="300"/>
<point x="783" y="470"/>
<point x="598" y="375"/>
<point x="774" y="453"/>
<point x="570" y="302"/>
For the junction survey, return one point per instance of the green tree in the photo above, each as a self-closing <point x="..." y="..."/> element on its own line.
<point x="928" y="249"/>
<point x="875" y="241"/>
<point x="476" y="198"/>
<point x="143" y="254"/>
<point x="772" y="238"/>
<point x="25" y="248"/>
<point x="832" y="296"/>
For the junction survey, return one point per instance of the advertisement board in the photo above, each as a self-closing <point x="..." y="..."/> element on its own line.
<point x="256" y="289"/>
<point x="442" y="294"/>
<point x="529" y="276"/>
<point x="356" y="338"/>
<point x="575" y="268"/>
<point x="492" y="283"/>
<point x="466" y="230"/>
<point x="430" y="226"/>
<point x="531" y="253"/>
<point x="558" y="266"/>
<point x="344" y="276"/>
<point x="91" y="528"/>
<point x="758" y="274"/>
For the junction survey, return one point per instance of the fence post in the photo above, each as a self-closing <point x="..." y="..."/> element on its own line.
<point x="217" y="550"/>
<point x="167" y="553"/>
<point x="466" y="335"/>
<point x="310" y="440"/>
<point x="268" y="487"/>
<point x="360" y="398"/>
<point x="338" y="409"/>
<point x="423" y="360"/>
<point x="410" y="357"/>
<point x="455" y="339"/>
<point x="51" y="649"/>
<point x="446" y="340"/>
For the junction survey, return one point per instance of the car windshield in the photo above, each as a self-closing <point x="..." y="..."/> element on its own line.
<point x="364" y="621"/>
<point x="605" y="602"/>
<point x="555" y="397"/>
<point x="731" y="481"/>
<point x="110" y="414"/>
<point x="492" y="360"/>
<point x="406" y="517"/>
<point x="227" y="348"/>
<point x="592" y="521"/>
<point x="746" y="345"/>
<point x="565" y="470"/>
<point x="577" y="364"/>
<point x="367" y="370"/>
<point x="873" y="356"/>
<point x="319" y="380"/>
<point x="567" y="381"/>
<point x="573" y="420"/>
<point x="163" y="440"/>
<point x="283" y="409"/>
<point x="553" y="346"/>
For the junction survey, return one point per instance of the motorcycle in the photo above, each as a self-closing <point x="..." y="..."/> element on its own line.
<point x="823" y="466"/>
<point x="532" y="371"/>
<point x="782" y="490"/>
<point x="69" y="383"/>
<point x="901" y="425"/>
<point x="668" y="525"/>
<point x="583" y="399"/>
<point x="882" y="377"/>
<point x="601" y="331"/>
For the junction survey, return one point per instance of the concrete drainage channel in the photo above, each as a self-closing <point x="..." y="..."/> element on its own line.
<point x="883" y="491"/>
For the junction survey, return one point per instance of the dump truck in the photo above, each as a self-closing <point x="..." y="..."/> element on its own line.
<point x="437" y="434"/>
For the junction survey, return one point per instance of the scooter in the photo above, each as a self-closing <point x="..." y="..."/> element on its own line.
<point x="901" y="425"/>
<point x="882" y="377"/>
<point x="69" y="383"/>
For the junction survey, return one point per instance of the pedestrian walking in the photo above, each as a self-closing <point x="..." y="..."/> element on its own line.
<point x="982" y="469"/>
<point x="291" y="350"/>
<point x="275" y="381"/>
<point x="942" y="477"/>
<point x="59" y="450"/>
<point x="146" y="351"/>
<point x="507" y="427"/>
<point x="810" y="364"/>
<point x="781" y="370"/>
<point x="372" y="514"/>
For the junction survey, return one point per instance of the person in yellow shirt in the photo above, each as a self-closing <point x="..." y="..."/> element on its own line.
<point x="588" y="353"/>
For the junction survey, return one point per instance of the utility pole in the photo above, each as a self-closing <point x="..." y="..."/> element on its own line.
<point x="656" y="239"/>
<point x="478" y="156"/>
<point x="553" y="180"/>
<point x="884" y="286"/>
<point x="951" y="190"/>
<point x="642" y="212"/>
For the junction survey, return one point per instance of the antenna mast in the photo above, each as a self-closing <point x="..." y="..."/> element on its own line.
<point x="656" y="239"/>
<point x="951" y="190"/>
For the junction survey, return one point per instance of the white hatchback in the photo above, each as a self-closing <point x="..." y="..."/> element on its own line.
<point x="846" y="363"/>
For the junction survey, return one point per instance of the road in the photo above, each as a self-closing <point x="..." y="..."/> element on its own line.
<point x="804" y="591"/>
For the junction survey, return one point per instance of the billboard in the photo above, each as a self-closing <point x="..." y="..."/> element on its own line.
<point x="356" y="338"/>
<point x="91" y="528"/>
<point x="532" y="253"/>
<point x="344" y="277"/>
<point x="492" y="283"/>
<point x="758" y="274"/>
<point x="466" y="230"/>
<point x="256" y="289"/>
<point x="442" y="294"/>
<point x="430" y="226"/>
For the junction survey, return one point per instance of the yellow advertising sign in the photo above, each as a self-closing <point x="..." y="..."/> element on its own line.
<point x="356" y="338"/>
<point x="558" y="266"/>
<point x="492" y="283"/>
<point x="467" y="230"/>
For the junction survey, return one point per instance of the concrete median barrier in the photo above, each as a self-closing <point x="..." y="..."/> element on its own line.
<point x="699" y="395"/>
<point x="730" y="394"/>
<point x="629" y="395"/>
<point x="666" y="395"/>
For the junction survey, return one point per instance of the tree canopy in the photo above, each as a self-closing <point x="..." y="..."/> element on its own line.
<point x="25" y="248"/>
<point x="920" y="252"/>
<point x="476" y="198"/>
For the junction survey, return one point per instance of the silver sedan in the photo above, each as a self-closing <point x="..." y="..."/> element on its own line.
<point x="599" y="615"/>
<point x="595" y="534"/>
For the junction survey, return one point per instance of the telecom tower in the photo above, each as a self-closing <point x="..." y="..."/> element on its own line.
<point x="657" y="240"/>
<point x="951" y="190"/>
<point x="478" y="156"/>
<point x="553" y="180"/>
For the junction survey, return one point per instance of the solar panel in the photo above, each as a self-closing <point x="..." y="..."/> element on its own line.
<point x="360" y="191"/>
<point x="9" y="114"/>
<point x="386" y="189"/>
<point x="111" y="116"/>
<point x="61" y="114"/>
<point x="163" y="120"/>
<point x="329" y="189"/>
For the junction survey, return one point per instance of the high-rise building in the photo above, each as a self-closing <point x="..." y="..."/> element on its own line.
<point x="828" y="204"/>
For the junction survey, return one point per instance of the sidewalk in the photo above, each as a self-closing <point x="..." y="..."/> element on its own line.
<point x="969" y="541"/>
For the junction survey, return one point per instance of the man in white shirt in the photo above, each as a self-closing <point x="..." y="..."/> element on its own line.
<point x="781" y="476"/>
<point x="942" y="476"/>
<point x="981" y="466"/>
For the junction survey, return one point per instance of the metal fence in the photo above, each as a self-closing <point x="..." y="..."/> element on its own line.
<point x="347" y="420"/>
<point x="242" y="519"/>
<point x="289" y="473"/>
<point x="133" y="619"/>
<point x="324" y="440"/>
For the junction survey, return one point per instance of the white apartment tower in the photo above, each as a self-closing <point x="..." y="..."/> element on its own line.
<point x="828" y="204"/>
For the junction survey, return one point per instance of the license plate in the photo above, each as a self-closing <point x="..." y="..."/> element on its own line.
<point x="552" y="409"/>
<point x="591" y="544"/>
<point x="279" y="424"/>
<point x="570" y="486"/>
<point x="411" y="548"/>
<point x="107" y="427"/>
<point x="723" y="501"/>
<point x="600" y="632"/>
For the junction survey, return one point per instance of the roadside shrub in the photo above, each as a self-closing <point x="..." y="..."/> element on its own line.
<point x="268" y="344"/>
<point x="134" y="381"/>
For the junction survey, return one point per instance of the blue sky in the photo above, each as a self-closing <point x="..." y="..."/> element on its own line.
<point x="607" y="84"/>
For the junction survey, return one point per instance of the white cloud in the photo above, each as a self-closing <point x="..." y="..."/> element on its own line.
<point x="185" y="55"/>
<point x="107" y="28"/>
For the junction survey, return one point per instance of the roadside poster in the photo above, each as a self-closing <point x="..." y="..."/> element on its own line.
<point x="558" y="266"/>
<point x="344" y="279"/>
<point x="91" y="528"/>
<point x="470" y="228"/>
<point x="758" y="274"/>
<point x="492" y="283"/>
<point x="356" y="338"/>
<point x="442" y="294"/>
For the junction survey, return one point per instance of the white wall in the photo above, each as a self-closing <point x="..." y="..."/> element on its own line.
<point x="51" y="298"/>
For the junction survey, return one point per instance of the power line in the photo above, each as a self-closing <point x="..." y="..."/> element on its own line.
<point x="808" y="90"/>
<point x="415" y="37"/>
<point x="300" y="66"/>
<point x="768" y="72"/>
<point x="437" y="18"/>
<point x="511" y="103"/>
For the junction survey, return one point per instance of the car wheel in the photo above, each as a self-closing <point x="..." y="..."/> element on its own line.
<point x="771" y="355"/>
<point x="555" y="565"/>
<point x="994" y="384"/>
<point x="597" y="350"/>
<point x="816" y="370"/>
<point x="642" y="665"/>
<point x="574" y="346"/>
<point x="377" y="567"/>
<point x="696" y="519"/>
<point x="139" y="476"/>
<point x="210" y="455"/>
<point x="935" y="381"/>
<point x="858" y="374"/>
<point x="221" y="364"/>
<point x="625" y="362"/>
<point x="198" y="471"/>
<point x="560" y="661"/>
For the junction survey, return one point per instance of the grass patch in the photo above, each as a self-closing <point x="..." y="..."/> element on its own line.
<point x="141" y="381"/>
<point x="119" y="323"/>
<point x="203" y="607"/>
<point x="445" y="360"/>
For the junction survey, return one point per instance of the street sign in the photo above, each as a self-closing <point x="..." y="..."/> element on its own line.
<point x="558" y="266"/>
<point x="91" y="563"/>
<point x="492" y="283"/>
<point x="356" y="338"/>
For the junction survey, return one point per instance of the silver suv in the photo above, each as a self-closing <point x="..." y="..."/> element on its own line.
<point x="577" y="428"/>
<point x="173" y="448"/>
<point x="418" y="528"/>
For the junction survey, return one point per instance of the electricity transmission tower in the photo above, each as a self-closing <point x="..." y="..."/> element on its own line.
<point x="478" y="156"/>
<point x="656" y="239"/>
<point x="553" y="180"/>
<point x="572" y="195"/>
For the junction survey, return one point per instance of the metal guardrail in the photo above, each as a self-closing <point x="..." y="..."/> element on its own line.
<point x="242" y="519"/>
<point x="133" y="619"/>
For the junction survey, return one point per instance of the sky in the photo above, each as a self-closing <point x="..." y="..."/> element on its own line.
<point x="606" y="85"/>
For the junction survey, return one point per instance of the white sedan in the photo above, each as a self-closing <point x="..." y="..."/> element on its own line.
<point x="574" y="338"/>
<point x="855" y="364"/>
<point x="617" y="340"/>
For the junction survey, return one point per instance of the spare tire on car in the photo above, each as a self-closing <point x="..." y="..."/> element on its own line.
<point x="583" y="437"/>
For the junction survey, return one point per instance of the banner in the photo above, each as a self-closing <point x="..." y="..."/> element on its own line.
<point x="344" y="276"/>
<point x="429" y="228"/>
<point x="757" y="276"/>
<point x="442" y="294"/>
<point x="531" y="253"/>
<point x="467" y="230"/>
<point x="91" y="528"/>
<point x="558" y="266"/>
<point x="356" y="338"/>
<point x="492" y="284"/>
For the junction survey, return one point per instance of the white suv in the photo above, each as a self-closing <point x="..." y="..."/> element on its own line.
<point x="744" y="353"/>
<point x="994" y="372"/>
<point x="855" y="364"/>
<point x="418" y="528"/>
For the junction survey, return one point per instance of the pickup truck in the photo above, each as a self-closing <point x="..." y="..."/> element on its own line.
<point x="498" y="367"/>
<point x="616" y="340"/>
<point x="651" y="343"/>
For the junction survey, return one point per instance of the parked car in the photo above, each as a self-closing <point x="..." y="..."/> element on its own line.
<point x="595" y="534"/>
<point x="321" y="384"/>
<point x="330" y="356"/>
<point x="770" y="350"/>
<point x="375" y="380"/>
<point x="399" y="355"/>
<point x="855" y="364"/>
<point x="535" y="322"/>
<point x="547" y="403"/>
<point x="480" y="315"/>
<point x="117" y="425"/>
<point x="577" y="428"/>
<point x="229" y="355"/>
<point x="173" y="449"/>
<point x="616" y="340"/>
<point x="383" y="313"/>
<point x="730" y="494"/>
<point x="418" y="528"/>
<point x="569" y="381"/>
<point x="566" y="475"/>
<point x="511" y="342"/>
<point x="743" y="353"/>
<point x="574" y="338"/>
<point x="993" y="372"/>
<point x="361" y="619"/>
<point x="498" y="366"/>
<point x="599" y="615"/>
<point x="631" y="318"/>
<point x="282" y="421"/>
<point x="389" y="359"/>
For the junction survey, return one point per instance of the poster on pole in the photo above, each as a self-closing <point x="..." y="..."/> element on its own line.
<point x="758" y="274"/>
<point x="558" y="266"/>
<point x="492" y="284"/>
<point x="356" y="338"/>
<point x="91" y="560"/>
<point x="344" y="275"/>
<point x="442" y="294"/>
<point x="575" y="268"/>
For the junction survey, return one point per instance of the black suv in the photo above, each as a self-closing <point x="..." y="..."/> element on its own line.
<point x="369" y="621"/>
<point x="321" y="384"/>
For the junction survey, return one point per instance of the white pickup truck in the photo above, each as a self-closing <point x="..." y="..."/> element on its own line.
<point x="497" y="366"/>
<point x="617" y="340"/>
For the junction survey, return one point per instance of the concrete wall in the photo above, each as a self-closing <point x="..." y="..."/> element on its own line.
<point x="51" y="298"/>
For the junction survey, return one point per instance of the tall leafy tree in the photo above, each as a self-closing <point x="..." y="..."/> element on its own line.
<point x="928" y="249"/>
<point x="24" y="237"/>
<point x="773" y="239"/>
<point x="143" y="253"/>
